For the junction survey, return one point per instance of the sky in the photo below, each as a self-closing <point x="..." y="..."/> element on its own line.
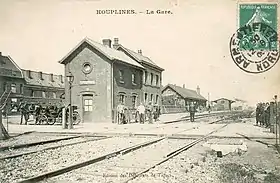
<point x="192" y="44"/>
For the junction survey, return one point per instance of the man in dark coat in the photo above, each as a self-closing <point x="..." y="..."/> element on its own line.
<point x="192" y="111"/>
<point x="258" y="114"/>
<point x="267" y="115"/>
<point x="24" y="112"/>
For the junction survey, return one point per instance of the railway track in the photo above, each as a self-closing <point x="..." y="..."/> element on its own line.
<point x="24" y="145"/>
<point x="69" y="142"/>
<point x="22" y="167"/>
<point x="121" y="152"/>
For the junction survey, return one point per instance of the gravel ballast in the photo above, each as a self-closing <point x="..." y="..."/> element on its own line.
<point x="120" y="168"/>
<point x="30" y="138"/>
<point x="11" y="152"/>
<point x="16" y="169"/>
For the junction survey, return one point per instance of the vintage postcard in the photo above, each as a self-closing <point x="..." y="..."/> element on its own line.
<point x="177" y="91"/>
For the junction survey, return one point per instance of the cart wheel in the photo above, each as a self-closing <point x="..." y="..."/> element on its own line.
<point x="59" y="118"/>
<point x="42" y="119"/>
<point x="76" y="118"/>
<point x="51" y="121"/>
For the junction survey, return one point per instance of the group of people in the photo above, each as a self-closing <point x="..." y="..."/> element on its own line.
<point x="35" y="109"/>
<point x="143" y="113"/>
<point x="263" y="114"/>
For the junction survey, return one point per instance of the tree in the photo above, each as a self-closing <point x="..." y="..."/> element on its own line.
<point x="3" y="132"/>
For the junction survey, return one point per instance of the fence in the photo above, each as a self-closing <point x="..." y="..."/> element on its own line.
<point x="166" y="109"/>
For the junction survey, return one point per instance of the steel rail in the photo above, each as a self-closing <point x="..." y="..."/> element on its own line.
<point x="107" y="156"/>
<point x="49" y="148"/>
<point x="88" y="162"/>
<point x="175" y="153"/>
<point x="3" y="148"/>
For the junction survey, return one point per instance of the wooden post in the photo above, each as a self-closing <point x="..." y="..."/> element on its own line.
<point x="64" y="118"/>
<point x="272" y="117"/>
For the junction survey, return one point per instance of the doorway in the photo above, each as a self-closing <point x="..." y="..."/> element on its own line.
<point x="87" y="107"/>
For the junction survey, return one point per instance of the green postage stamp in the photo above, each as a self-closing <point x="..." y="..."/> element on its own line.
<point x="255" y="45"/>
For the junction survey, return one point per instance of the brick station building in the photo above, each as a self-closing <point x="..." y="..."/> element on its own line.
<point x="105" y="75"/>
<point x="31" y="86"/>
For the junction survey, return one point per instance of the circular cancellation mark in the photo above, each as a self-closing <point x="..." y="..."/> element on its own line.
<point x="254" y="48"/>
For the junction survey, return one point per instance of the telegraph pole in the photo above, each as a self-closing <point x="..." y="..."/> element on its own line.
<point x="276" y="120"/>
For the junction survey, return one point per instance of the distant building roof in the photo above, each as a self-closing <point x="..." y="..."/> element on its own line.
<point x="43" y="79"/>
<point x="185" y="93"/>
<point x="110" y="53"/>
<point x="223" y="99"/>
<point x="139" y="57"/>
<point x="8" y="67"/>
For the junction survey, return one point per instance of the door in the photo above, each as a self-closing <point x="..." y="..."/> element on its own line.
<point x="87" y="108"/>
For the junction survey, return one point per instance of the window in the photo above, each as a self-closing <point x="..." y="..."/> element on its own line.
<point x="157" y="80"/>
<point x="146" y="77"/>
<point x="88" y="105"/>
<point x="152" y="98"/>
<point x="133" y="79"/>
<point x="122" y="98"/>
<point x="222" y="102"/>
<point x="156" y="99"/>
<point x="13" y="88"/>
<point x="32" y="93"/>
<point x="43" y="94"/>
<point x="121" y="75"/>
<point x="21" y="88"/>
<point x="54" y="95"/>
<point x="134" y="97"/>
<point x="14" y="106"/>
<point x="87" y="68"/>
<point x="152" y="78"/>
<point x="146" y="98"/>
<point x="4" y="86"/>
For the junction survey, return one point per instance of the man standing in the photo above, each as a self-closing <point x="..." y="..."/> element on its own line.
<point x="258" y="112"/>
<point x="267" y="115"/>
<point x="23" y="112"/>
<point x="120" y="113"/>
<point x="141" y="112"/>
<point x="37" y="112"/>
<point x="192" y="111"/>
<point x="150" y="112"/>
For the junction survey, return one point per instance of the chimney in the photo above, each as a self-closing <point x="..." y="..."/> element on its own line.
<point x="116" y="43"/>
<point x="140" y="52"/>
<point x="41" y="75"/>
<point x="184" y="86"/>
<point x="29" y="74"/>
<point x="61" y="78"/>
<point x="107" y="42"/>
<point x="51" y="77"/>
<point x="198" y="90"/>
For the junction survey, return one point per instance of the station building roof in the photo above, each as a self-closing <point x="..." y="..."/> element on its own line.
<point x="184" y="92"/>
<point x="109" y="52"/>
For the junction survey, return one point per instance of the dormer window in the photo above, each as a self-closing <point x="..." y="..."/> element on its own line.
<point x="29" y="74"/>
<point x="41" y="75"/>
<point x="51" y="78"/>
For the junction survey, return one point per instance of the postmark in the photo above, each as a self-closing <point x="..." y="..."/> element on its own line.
<point x="254" y="47"/>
